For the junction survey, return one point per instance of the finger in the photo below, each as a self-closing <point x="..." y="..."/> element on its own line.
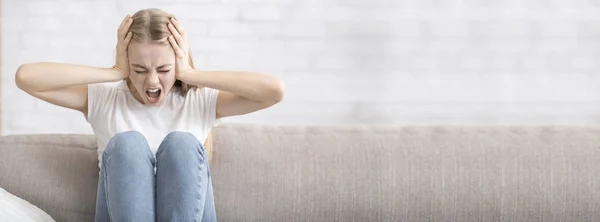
<point x="175" y="46"/>
<point x="184" y="42"/>
<point x="125" y="28"/>
<point x="123" y="22"/>
<point x="127" y="39"/>
<point x="128" y="23"/>
<point x="122" y="46"/>
<point x="177" y="36"/>
<point x="178" y="26"/>
<point x="120" y="32"/>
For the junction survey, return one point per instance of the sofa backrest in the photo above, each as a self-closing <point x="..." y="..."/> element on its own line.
<point x="407" y="173"/>
<point x="348" y="173"/>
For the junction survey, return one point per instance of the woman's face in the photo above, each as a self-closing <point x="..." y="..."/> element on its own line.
<point x="151" y="71"/>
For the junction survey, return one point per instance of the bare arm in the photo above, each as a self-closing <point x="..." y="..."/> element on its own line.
<point x="66" y="85"/>
<point x="47" y="76"/>
<point x="240" y="92"/>
<point x="62" y="84"/>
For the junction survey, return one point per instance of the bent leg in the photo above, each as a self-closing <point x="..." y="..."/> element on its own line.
<point x="126" y="188"/>
<point x="183" y="186"/>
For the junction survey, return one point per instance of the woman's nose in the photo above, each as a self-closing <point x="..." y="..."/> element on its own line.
<point x="153" y="79"/>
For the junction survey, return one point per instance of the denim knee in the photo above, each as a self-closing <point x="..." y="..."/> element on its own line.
<point x="128" y="144"/>
<point x="183" y="143"/>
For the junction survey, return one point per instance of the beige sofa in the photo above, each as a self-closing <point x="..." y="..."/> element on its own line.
<point x="349" y="173"/>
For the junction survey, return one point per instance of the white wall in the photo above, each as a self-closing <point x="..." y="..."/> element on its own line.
<point x="343" y="61"/>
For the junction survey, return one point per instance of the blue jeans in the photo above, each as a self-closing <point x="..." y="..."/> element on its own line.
<point x="129" y="189"/>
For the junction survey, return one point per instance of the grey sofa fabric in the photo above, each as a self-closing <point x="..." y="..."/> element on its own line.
<point x="54" y="172"/>
<point x="349" y="173"/>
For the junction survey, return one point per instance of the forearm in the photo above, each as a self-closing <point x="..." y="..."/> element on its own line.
<point x="46" y="76"/>
<point x="254" y="86"/>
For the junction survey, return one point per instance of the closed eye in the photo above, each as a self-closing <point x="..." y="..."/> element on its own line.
<point x="161" y="71"/>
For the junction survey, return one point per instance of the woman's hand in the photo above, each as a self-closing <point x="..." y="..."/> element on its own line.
<point x="179" y="42"/>
<point x="123" y="39"/>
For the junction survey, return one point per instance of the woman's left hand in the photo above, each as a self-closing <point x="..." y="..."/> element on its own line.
<point x="179" y="42"/>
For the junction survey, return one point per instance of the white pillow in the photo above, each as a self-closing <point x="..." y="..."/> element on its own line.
<point x="13" y="208"/>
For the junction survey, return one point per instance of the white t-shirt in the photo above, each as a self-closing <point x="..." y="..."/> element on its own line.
<point x="113" y="109"/>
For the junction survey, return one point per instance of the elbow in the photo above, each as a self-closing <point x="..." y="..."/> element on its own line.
<point x="22" y="76"/>
<point x="278" y="91"/>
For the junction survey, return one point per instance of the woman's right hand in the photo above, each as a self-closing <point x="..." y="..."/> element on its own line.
<point x="123" y="39"/>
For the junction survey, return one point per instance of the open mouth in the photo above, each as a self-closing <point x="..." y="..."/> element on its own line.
<point x="153" y="95"/>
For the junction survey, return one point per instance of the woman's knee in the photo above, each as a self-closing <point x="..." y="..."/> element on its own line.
<point x="180" y="135"/>
<point x="184" y="143"/>
<point x="127" y="143"/>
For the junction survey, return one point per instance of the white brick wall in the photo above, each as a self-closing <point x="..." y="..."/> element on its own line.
<point x="343" y="61"/>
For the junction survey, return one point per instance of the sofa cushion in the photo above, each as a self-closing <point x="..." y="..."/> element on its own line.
<point x="57" y="173"/>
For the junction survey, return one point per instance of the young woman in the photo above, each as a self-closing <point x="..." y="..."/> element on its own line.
<point x="151" y="113"/>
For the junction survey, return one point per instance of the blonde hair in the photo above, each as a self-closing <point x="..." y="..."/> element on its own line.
<point x="151" y="25"/>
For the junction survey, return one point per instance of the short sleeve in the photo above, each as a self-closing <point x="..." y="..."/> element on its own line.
<point x="97" y="99"/>
<point x="207" y="105"/>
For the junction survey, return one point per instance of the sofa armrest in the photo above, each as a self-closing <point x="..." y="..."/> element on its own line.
<point x="56" y="172"/>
